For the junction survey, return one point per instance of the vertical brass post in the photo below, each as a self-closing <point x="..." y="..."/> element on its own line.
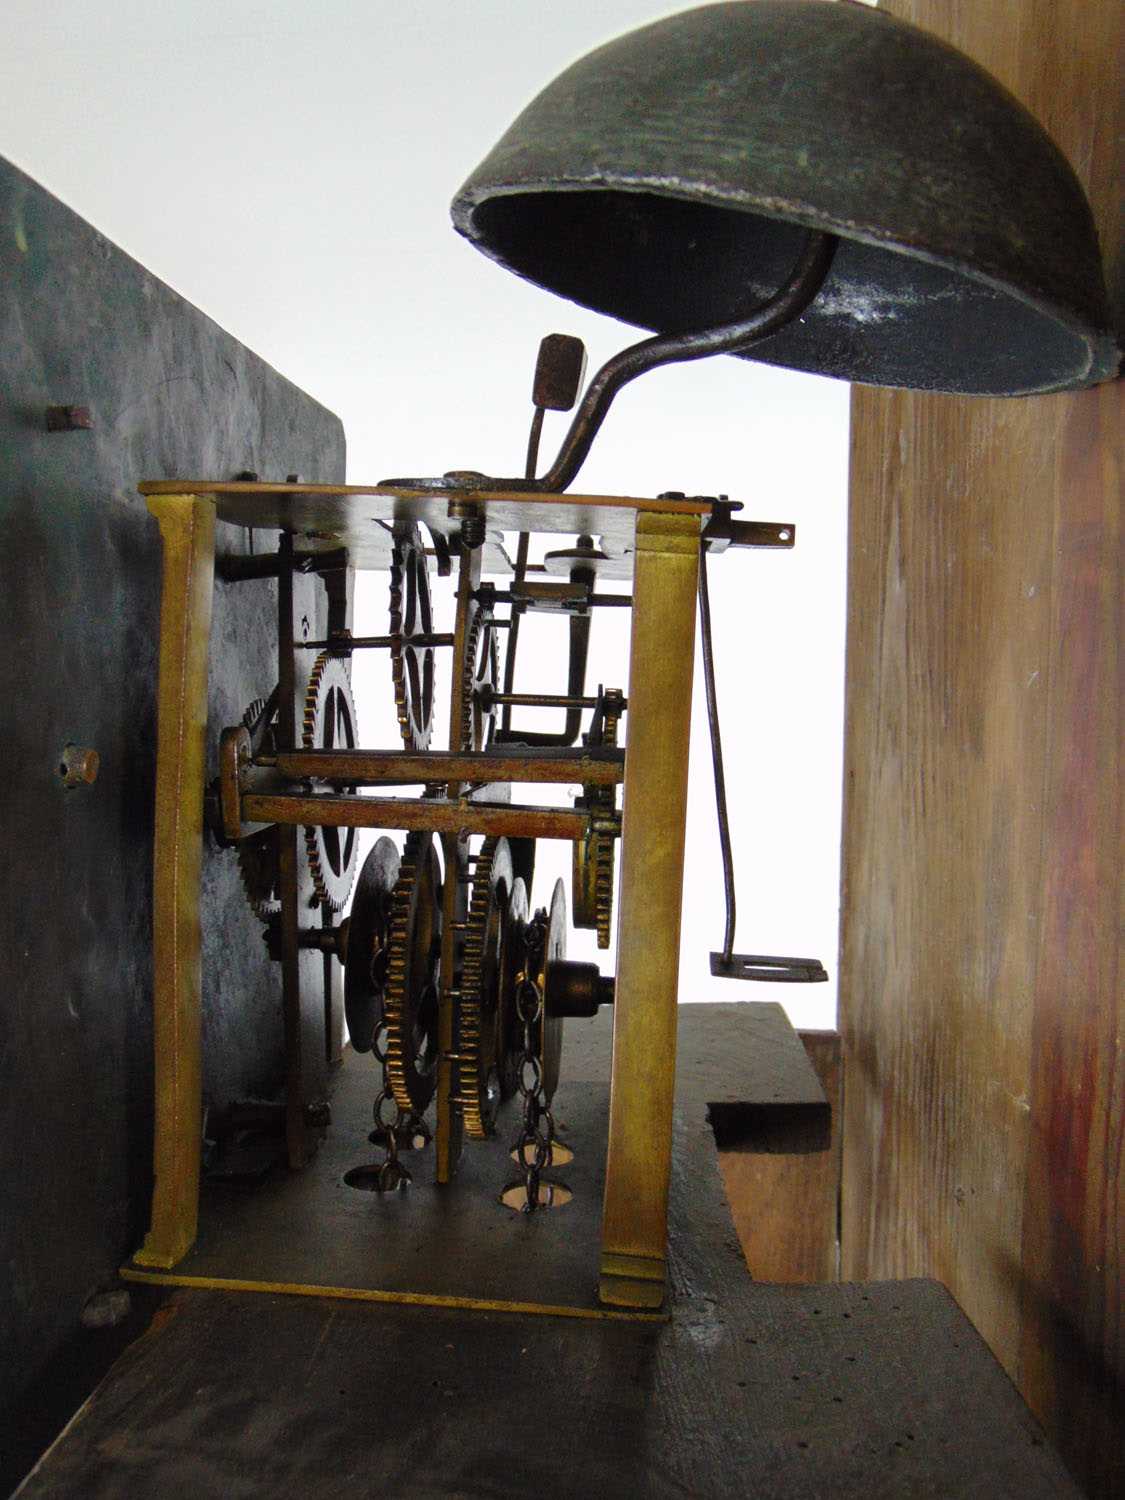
<point x="187" y="527"/>
<point x="638" y="1162"/>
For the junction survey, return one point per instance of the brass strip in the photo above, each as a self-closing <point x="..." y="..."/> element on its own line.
<point x="372" y="767"/>
<point x="406" y="1299"/>
<point x="187" y="528"/>
<point x="638" y="1159"/>
<point x="211" y="487"/>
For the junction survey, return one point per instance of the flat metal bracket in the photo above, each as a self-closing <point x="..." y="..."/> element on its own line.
<point x="765" y="966"/>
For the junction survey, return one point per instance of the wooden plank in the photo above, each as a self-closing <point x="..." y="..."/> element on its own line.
<point x="857" y="1392"/>
<point x="783" y="1181"/>
<point x="309" y="1228"/>
<point x="981" y="990"/>
<point x="868" y="1391"/>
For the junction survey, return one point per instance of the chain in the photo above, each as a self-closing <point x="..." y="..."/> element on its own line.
<point x="533" y="1148"/>
<point x="390" y="1121"/>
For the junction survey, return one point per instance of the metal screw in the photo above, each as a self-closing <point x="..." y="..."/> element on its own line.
<point x="68" y="418"/>
<point x="78" y="766"/>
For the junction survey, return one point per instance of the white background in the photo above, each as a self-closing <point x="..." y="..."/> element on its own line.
<point x="288" y="168"/>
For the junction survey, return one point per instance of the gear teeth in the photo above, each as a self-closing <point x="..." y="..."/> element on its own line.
<point x="603" y="887"/>
<point x="595" y="862"/>
<point x="415" y="735"/>
<point x="398" y="940"/>
<point x="254" y="713"/>
<point x="470" y="682"/>
<point x="255" y="876"/>
<point x="472" y="1083"/>
<point x="258" y="882"/>
<point x="331" y="890"/>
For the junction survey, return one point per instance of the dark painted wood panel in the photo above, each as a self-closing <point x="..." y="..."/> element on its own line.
<point x="981" y="987"/>
<point x="83" y="324"/>
<point x="746" y="1389"/>
<point x="309" y="1228"/>
<point x="870" y="1392"/>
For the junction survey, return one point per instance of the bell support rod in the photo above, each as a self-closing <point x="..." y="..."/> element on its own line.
<point x="783" y="307"/>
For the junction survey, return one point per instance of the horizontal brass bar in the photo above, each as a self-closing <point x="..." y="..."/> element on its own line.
<point x="502" y="821"/>
<point x="396" y="767"/>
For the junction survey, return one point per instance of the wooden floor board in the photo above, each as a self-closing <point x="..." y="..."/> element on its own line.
<point x="746" y="1389"/>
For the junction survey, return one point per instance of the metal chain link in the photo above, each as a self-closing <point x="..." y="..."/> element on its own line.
<point x="533" y="1148"/>
<point x="393" y="1173"/>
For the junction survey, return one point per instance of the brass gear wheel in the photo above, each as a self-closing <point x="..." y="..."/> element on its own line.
<point x="594" y="857"/>
<point x="481" y="669"/>
<point x="368" y="948"/>
<point x="257" y="854"/>
<point x="258" y="867"/>
<point x="479" y="1043"/>
<point x="410" y="999"/>
<point x="412" y="665"/>
<point x="329" y="724"/>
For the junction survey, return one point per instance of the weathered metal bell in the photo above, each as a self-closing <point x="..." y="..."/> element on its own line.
<point x="667" y="179"/>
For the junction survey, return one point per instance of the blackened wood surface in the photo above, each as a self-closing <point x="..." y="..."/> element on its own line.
<point x="168" y="391"/>
<point x="981" y="986"/>
<point x="868" y="1391"/>
<point x="311" y="1228"/>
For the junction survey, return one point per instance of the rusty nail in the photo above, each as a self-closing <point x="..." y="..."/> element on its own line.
<point x="78" y="766"/>
<point x="68" y="418"/>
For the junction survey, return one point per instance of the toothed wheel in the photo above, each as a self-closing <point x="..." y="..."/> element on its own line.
<point x="412" y="664"/>
<point x="410" y="1004"/>
<point x="592" y="878"/>
<point x="258" y="867"/>
<point x="479" y="1034"/>
<point x="482" y="670"/>
<point x="329" y="724"/>
<point x="257" y="854"/>
<point x="594" y="857"/>
<point x="368" y="951"/>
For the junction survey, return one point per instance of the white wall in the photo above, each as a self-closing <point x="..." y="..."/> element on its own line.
<point x="287" y="167"/>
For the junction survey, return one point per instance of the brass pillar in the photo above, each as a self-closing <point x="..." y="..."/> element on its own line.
<point x="638" y="1164"/>
<point x="187" y="527"/>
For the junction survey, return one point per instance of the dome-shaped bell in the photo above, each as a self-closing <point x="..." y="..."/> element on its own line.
<point x="667" y="177"/>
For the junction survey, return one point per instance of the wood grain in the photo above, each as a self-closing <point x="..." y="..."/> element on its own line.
<point x="980" y="969"/>
<point x="784" y="1190"/>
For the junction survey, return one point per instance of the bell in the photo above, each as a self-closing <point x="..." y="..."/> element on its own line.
<point x="670" y="179"/>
